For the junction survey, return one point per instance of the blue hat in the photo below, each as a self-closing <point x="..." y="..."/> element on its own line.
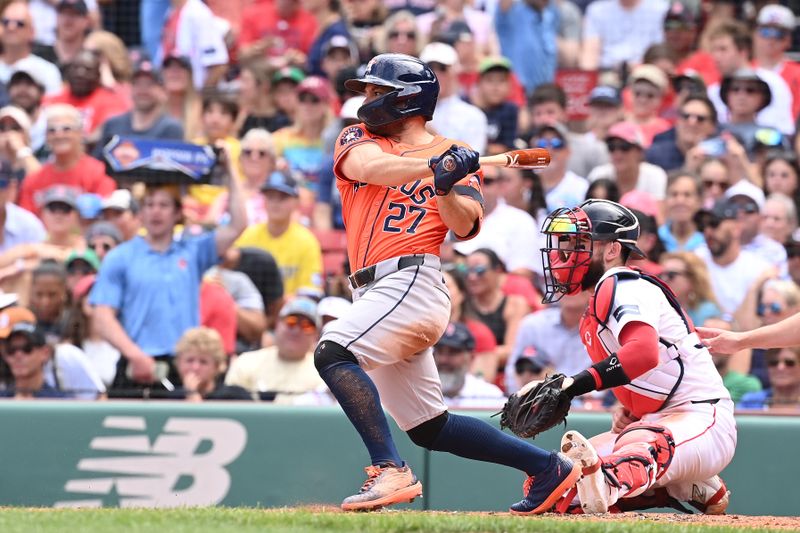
<point x="605" y="94"/>
<point x="90" y="205"/>
<point x="457" y="336"/>
<point x="278" y="181"/>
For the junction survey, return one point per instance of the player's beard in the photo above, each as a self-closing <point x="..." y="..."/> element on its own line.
<point x="393" y="129"/>
<point x="593" y="274"/>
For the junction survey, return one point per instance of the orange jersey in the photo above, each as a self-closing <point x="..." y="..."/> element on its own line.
<point x="384" y="222"/>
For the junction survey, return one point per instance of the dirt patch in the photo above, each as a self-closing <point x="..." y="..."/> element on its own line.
<point x="760" y="522"/>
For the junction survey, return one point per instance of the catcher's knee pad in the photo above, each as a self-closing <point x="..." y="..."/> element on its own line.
<point x="330" y="353"/>
<point x="642" y="453"/>
<point x="425" y="434"/>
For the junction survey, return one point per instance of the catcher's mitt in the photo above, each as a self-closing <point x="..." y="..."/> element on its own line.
<point x="529" y="412"/>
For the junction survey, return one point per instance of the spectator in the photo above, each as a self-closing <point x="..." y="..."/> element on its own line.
<point x="772" y="38"/>
<point x="19" y="225"/>
<point x="122" y="210"/>
<point x="399" y="35"/>
<point x="284" y="88"/>
<point x="492" y="97"/>
<point x="453" y="354"/>
<point x="648" y="240"/>
<point x="70" y="165"/>
<point x="49" y="299"/>
<point x="784" y="378"/>
<point x="282" y="31"/>
<point x="339" y="53"/>
<point x="697" y="121"/>
<point x="745" y="94"/>
<point x="15" y="143"/>
<point x="147" y="118"/>
<point x="73" y="24"/>
<point x="649" y="87"/>
<point x="625" y="143"/>
<point x="529" y="368"/>
<point x="263" y="271"/>
<point x="603" y="189"/>
<point x="300" y="144"/>
<point x="453" y="117"/>
<point x="453" y="13"/>
<point x="730" y="45"/>
<point x="80" y="264"/>
<point x="680" y="30"/>
<point x="561" y="185"/>
<point x="16" y="39"/>
<point x="294" y="247"/>
<point x="256" y="103"/>
<point x="26" y="353"/>
<point x="688" y="277"/>
<point x="25" y="91"/>
<point x="102" y="237"/>
<point x="287" y="368"/>
<point x="116" y="63"/>
<point x="84" y="91"/>
<point x="683" y="201"/>
<point x="549" y="107"/>
<point x="201" y="362"/>
<point x="553" y="334"/>
<point x="59" y="213"/>
<point x="605" y="110"/>
<point x="752" y="239"/>
<point x="500" y="312"/>
<point x="792" y="247"/>
<point x="147" y="290"/>
<point x="332" y="308"/>
<point x="527" y="31"/>
<point x="329" y="23"/>
<point x="733" y="270"/>
<point x="738" y="384"/>
<point x="45" y="14"/>
<point x="617" y="32"/>
<point x="190" y="31"/>
<point x="183" y="102"/>
<point x="716" y="179"/>
<point x="509" y="232"/>
<point x="781" y="174"/>
<point x="218" y="312"/>
<point x="778" y="217"/>
<point x="570" y="28"/>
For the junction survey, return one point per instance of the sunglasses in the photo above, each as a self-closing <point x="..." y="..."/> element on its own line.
<point x="769" y="32"/>
<point x="670" y="275"/>
<point x="709" y="184"/>
<point x="406" y="34"/>
<point x="677" y="25"/>
<point x="250" y="152"/>
<point x="12" y="350"/>
<point x="479" y="270"/>
<point x="100" y="245"/>
<point x="773" y="308"/>
<point x="305" y="325"/>
<point x="748" y="89"/>
<point x="13" y="23"/>
<point x="13" y="126"/>
<point x="710" y="222"/>
<point x="309" y="99"/>
<point x="59" y="207"/>
<point x="620" y="146"/>
<point x="550" y="144"/>
<point x="788" y="363"/>
<point x="66" y="128"/>
<point x="699" y="118"/>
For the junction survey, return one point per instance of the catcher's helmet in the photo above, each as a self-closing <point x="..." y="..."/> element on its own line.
<point x="416" y="89"/>
<point x="571" y="233"/>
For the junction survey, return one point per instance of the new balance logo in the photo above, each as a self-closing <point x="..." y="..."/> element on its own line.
<point x="183" y="465"/>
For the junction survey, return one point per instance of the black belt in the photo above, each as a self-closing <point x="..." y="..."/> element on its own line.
<point x="365" y="276"/>
<point x="712" y="401"/>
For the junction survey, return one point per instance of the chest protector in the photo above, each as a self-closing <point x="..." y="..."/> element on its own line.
<point x="651" y="391"/>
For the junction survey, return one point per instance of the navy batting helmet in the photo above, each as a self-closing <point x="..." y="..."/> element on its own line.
<point x="415" y="89"/>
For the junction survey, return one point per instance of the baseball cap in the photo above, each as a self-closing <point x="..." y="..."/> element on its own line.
<point x="315" y="86"/>
<point x="628" y="132"/>
<point x="145" y="67"/>
<point x="776" y="15"/>
<point x="79" y="6"/>
<point x="90" y="205"/>
<point x="13" y="315"/>
<point x="27" y="74"/>
<point x="29" y="330"/>
<point x="679" y="11"/>
<point x="7" y="299"/>
<point x="746" y="189"/>
<point x="183" y="61"/>
<point x="651" y="74"/>
<point x="292" y="74"/>
<point x="441" y="53"/>
<point x="17" y="115"/>
<point x="351" y="106"/>
<point x="457" y="336"/>
<point x="121" y="200"/>
<point x="59" y="193"/>
<point x="605" y="95"/>
<point x="87" y="255"/>
<point x="333" y="306"/>
<point x="528" y="361"/>
<point x="340" y="42"/>
<point x="103" y="229"/>
<point x="557" y="128"/>
<point x="301" y="306"/>
<point x="723" y="209"/>
<point x="494" y="63"/>
<point x="641" y="201"/>
<point x="279" y="181"/>
<point x="455" y="32"/>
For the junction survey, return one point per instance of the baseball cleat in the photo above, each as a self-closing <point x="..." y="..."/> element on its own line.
<point x="710" y="496"/>
<point x="550" y="486"/>
<point x="385" y="485"/>
<point x="593" y="490"/>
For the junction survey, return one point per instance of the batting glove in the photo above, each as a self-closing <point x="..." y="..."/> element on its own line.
<point x="452" y="166"/>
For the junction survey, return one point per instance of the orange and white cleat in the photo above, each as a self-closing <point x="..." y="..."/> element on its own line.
<point x="385" y="485"/>
<point x="593" y="491"/>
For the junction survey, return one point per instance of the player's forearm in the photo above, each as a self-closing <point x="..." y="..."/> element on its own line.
<point x="783" y="334"/>
<point x="459" y="213"/>
<point x="380" y="168"/>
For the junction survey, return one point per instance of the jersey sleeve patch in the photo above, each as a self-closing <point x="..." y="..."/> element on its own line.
<point x="350" y="135"/>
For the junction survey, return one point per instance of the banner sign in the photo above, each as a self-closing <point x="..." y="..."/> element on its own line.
<point x="159" y="160"/>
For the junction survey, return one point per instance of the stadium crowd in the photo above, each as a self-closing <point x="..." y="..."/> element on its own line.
<point x="686" y="113"/>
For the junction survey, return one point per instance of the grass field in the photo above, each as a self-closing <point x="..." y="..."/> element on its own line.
<point x="221" y="520"/>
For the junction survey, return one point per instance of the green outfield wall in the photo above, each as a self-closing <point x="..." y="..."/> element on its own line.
<point x="108" y="454"/>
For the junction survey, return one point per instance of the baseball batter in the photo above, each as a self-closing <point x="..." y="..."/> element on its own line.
<point x="402" y="189"/>
<point x="675" y="429"/>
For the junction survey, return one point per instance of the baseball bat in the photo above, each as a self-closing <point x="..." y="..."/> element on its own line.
<point x="533" y="158"/>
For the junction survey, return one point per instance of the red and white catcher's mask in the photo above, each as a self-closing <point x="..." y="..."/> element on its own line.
<point x="568" y="252"/>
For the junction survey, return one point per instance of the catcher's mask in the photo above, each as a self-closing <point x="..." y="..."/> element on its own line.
<point x="571" y="234"/>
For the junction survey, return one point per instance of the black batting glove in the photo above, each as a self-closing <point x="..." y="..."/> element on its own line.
<point x="452" y="166"/>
